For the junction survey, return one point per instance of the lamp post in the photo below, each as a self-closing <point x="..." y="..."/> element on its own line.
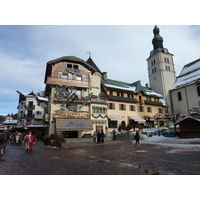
<point x="157" y="117"/>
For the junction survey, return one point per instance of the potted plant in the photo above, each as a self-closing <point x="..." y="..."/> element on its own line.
<point x="60" y="141"/>
<point x="46" y="140"/>
<point x="53" y="138"/>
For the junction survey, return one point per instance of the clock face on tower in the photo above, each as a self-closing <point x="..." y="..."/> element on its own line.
<point x="165" y="50"/>
<point x="151" y="53"/>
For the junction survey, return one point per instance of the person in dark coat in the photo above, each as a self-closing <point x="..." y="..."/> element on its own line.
<point x="114" y="134"/>
<point x="102" y="136"/>
<point x="137" y="138"/>
<point x="98" y="137"/>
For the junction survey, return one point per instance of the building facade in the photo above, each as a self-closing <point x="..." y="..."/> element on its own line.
<point x="31" y="110"/>
<point x="185" y="93"/>
<point x="73" y="87"/>
<point x="132" y="104"/>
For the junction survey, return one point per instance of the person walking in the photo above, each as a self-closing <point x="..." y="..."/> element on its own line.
<point x="94" y="136"/>
<point x="26" y="142"/>
<point x="98" y="137"/>
<point x="31" y="141"/>
<point x="137" y="138"/>
<point x="102" y="136"/>
<point x="114" y="134"/>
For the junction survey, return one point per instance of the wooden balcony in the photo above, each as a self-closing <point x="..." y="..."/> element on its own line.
<point x="32" y="107"/>
<point x="63" y="81"/>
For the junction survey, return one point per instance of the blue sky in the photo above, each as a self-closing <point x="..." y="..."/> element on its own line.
<point x="119" y="50"/>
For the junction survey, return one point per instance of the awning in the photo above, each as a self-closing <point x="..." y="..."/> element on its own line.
<point x="137" y="118"/>
<point x="73" y="124"/>
<point x="115" y="118"/>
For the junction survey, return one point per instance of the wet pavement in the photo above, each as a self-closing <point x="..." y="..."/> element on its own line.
<point x="83" y="157"/>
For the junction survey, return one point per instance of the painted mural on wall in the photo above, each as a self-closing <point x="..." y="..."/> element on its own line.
<point x="69" y="113"/>
<point x="66" y="92"/>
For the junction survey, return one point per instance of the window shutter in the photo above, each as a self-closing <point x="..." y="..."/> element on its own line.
<point x="69" y="76"/>
<point x="59" y="74"/>
<point x="83" y="78"/>
<point x="64" y="64"/>
<point x="82" y="93"/>
<point x="80" y="67"/>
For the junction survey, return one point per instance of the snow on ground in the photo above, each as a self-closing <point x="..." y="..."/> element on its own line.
<point x="176" y="143"/>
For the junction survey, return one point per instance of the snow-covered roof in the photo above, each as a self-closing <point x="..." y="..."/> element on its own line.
<point x="42" y="98"/>
<point x="152" y="93"/>
<point x="129" y="88"/>
<point x="10" y="121"/>
<point x="189" y="75"/>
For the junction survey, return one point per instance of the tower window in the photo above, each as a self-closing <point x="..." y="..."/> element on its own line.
<point x="198" y="90"/>
<point x="155" y="69"/>
<point x="152" y="70"/>
<point x="179" y="96"/>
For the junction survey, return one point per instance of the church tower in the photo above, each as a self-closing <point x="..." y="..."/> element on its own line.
<point x="161" y="69"/>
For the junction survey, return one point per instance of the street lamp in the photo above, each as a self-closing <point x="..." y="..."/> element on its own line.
<point x="157" y="117"/>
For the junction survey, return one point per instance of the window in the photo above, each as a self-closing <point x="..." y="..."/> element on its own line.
<point x="64" y="64"/>
<point x="155" y="69"/>
<point x="198" y="90"/>
<point x="72" y="108"/>
<point x="93" y="109"/>
<point x="122" y="107"/>
<point x="111" y="106"/>
<point x="152" y="70"/>
<point x="69" y="65"/>
<point x="140" y="109"/>
<point x="38" y="113"/>
<point x="160" y="110"/>
<point x="75" y="66"/>
<point x="132" y="108"/>
<point x="97" y="110"/>
<point x="111" y="92"/>
<point x="179" y="96"/>
<point x="149" y="109"/>
<point x="118" y="94"/>
<point x="167" y="60"/>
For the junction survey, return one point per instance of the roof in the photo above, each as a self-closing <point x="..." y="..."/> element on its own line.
<point x="91" y="62"/>
<point x="186" y="118"/>
<point x="67" y="59"/>
<point x="190" y="74"/>
<point x="135" y="87"/>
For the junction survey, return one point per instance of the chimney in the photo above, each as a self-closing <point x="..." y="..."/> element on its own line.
<point x="104" y="75"/>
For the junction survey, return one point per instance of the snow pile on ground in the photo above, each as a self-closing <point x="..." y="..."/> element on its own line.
<point x="174" y="142"/>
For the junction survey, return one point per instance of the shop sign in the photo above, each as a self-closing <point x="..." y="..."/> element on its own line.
<point x="76" y="125"/>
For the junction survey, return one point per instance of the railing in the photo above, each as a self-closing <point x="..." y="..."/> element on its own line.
<point x="30" y="107"/>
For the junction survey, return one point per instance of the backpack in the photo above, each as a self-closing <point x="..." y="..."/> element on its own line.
<point x="26" y="139"/>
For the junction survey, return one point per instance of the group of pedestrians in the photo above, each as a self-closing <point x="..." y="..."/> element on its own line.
<point x="98" y="137"/>
<point x="16" y="137"/>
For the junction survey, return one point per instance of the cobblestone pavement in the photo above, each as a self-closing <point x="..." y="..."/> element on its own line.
<point x="110" y="158"/>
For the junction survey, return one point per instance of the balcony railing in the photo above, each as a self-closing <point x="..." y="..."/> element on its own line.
<point x="29" y="116"/>
<point x="63" y="81"/>
<point x="32" y="107"/>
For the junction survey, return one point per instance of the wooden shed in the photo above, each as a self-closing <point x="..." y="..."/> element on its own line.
<point x="189" y="127"/>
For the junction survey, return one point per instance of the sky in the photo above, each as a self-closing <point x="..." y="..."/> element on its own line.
<point x="119" y="47"/>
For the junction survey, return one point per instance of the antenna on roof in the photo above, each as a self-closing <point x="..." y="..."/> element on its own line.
<point x="89" y="54"/>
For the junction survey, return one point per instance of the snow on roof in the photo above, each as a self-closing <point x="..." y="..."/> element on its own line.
<point x="163" y="102"/>
<point x="189" y="75"/>
<point x="129" y="88"/>
<point x="10" y="121"/>
<point x="42" y="98"/>
<point x="151" y="92"/>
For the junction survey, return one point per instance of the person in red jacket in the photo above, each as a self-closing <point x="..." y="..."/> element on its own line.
<point x="31" y="141"/>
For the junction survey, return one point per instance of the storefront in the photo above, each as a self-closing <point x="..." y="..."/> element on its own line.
<point x="74" y="127"/>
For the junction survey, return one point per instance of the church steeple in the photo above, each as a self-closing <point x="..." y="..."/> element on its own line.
<point x="157" y="42"/>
